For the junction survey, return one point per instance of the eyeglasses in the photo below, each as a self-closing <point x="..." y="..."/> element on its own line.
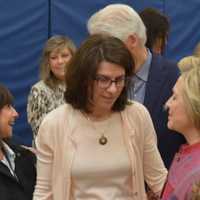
<point x="105" y="82"/>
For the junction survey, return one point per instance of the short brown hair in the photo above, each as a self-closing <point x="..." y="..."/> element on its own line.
<point x="84" y="65"/>
<point x="6" y="97"/>
<point x="55" y="43"/>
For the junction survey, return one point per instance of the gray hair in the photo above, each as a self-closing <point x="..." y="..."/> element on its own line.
<point x="118" y="20"/>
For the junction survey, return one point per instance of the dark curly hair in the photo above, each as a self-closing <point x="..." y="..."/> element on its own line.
<point x="6" y="97"/>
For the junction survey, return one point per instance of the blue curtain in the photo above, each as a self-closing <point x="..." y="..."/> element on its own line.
<point x="24" y="28"/>
<point x="26" y="25"/>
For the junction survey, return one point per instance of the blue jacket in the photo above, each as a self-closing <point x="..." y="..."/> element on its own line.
<point x="161" y="80"/>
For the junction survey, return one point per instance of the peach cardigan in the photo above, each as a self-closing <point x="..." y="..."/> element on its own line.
<point x="56" y="148"/>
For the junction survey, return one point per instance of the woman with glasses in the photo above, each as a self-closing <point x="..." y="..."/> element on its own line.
<point x="98" y="145"/>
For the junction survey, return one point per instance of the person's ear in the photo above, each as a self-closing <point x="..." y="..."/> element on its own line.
<point x="131" y="41"/>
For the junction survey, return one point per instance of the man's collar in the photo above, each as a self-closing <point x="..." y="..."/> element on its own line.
<point x="144" y="70"/>
<point x="9" y="151"/>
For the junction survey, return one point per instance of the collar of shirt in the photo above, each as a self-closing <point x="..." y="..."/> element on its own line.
<point x="138" y="81"/>
<point x="143" y="73"/>
<point x="186" y="148"/>
<point x="11" y="156"/>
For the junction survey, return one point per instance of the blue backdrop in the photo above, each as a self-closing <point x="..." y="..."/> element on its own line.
<point x="26" y="25"/>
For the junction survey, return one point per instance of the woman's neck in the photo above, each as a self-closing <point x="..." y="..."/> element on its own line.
<point x="193" y="136"/>
<point x="99" y="116"/>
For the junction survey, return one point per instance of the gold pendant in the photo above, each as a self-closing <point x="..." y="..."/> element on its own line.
<point x="103" y="140"/>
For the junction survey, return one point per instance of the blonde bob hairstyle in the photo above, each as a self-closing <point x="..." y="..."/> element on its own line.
<point x="191" y="94"/>
<point x="188" y="63"/>
<point x="56" y="43"/>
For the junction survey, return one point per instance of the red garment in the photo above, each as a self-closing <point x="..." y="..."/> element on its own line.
<point x="183" y="174"/>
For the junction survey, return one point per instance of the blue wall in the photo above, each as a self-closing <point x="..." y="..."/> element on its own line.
<point x="26" y="25"/>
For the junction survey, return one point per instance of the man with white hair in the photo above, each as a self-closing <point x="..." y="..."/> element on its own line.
<point x="154" y="76"/>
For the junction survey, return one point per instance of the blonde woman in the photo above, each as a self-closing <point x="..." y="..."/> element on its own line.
<point x="184" y="117"/>
<point x="48" y="93"/>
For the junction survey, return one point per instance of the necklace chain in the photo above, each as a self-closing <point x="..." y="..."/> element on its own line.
<point x="103" y="140"/>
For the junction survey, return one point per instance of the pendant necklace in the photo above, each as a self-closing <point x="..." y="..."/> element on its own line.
<point x="103" y="140"/>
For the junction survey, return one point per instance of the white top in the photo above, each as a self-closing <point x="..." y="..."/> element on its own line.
<point x="96" y="173"/>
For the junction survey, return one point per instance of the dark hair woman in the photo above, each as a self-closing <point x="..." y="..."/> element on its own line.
<point x="98" y="145"/>
<point x="17" y="164"/>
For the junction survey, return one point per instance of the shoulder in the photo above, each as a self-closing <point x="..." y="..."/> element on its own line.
<point x="138" y="120"/>
<point x="55" y="126"/>
<point x="40" y="86"/>
<point x="22" y="152"/>
<point x="40" y="90"/>
<point x="161" y="63"/>
<point x="136" y="111"/>
<point x="134" y="106"/>
<point x="164" y="70"/>
<point x="58" y="115"/>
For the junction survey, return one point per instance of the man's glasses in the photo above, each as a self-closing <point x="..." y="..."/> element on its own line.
<point x="105" y="82"/>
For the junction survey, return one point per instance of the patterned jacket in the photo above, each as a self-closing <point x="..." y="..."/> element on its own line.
<point x="41" y="100"/>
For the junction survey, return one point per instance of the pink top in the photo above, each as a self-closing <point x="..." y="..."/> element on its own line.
<point x="96" y="172"/>
<point x="183" y="174"/>
<point x="57" y="148"/>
